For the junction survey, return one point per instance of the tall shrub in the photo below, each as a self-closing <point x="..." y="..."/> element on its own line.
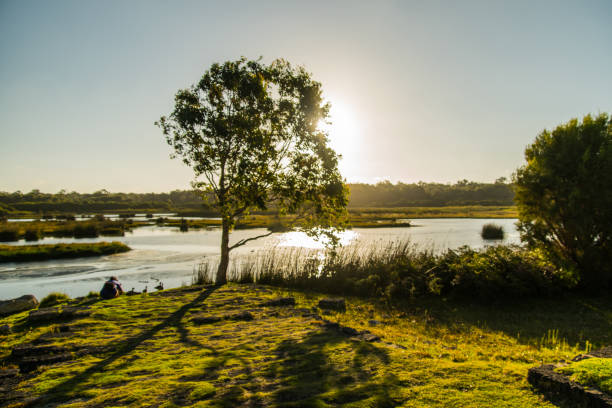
<point x="564" y="198"/>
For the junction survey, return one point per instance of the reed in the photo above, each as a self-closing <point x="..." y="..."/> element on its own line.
<point x="399" y="270"/>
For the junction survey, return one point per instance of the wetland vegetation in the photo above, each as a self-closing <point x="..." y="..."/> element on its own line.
<point x="16" y="253"/>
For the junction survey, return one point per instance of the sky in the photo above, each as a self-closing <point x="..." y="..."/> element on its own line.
<point x="433" y="91"/>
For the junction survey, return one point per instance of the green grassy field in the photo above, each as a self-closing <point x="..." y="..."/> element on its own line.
<point x="433" y="353"/>
<point x="13" y="253"/>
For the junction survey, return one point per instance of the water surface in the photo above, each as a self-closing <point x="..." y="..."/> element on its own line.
<point x="165" y="254"/>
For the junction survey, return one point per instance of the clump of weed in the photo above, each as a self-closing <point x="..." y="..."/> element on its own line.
<point x="492" y="231"/>
<point x="53" y="299"/>
<point x="9" y="232"/>
<point x="204" y="273"/>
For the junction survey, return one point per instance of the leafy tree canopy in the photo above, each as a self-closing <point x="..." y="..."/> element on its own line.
<point x="251" y="132"/>
<point x="564" y="197"/>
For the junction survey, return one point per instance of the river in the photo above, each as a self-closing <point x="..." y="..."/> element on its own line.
<point x="167" y="255"/>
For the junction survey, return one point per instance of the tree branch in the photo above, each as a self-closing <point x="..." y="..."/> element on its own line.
<point x="244" y="241"/>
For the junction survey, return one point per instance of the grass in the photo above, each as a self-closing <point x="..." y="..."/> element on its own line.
<point x="466" y="211"/>
<point x="14" y="253"/>
<point x="435" y="353"/>
<point x="592" y="372"/>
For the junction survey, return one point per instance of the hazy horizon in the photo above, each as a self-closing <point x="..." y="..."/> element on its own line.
<point x="434" y="91"/>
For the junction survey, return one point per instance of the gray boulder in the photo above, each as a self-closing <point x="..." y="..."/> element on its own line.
<point x="283" y="301"/>
<point x="20" y="304"/>
<point x="332" y="304"/>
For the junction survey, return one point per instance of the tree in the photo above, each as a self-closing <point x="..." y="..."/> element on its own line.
<point x="251" y="134"/>
<point x="564" y="198"/>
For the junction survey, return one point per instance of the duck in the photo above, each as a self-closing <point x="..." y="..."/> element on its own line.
<point x="160" y="286"/>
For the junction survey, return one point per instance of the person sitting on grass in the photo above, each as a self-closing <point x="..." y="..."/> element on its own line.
<point x="111" y="289"/>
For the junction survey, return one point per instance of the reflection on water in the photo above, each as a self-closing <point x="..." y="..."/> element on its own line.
<point x="163" y="253"/>
<point x="300" y="239"/>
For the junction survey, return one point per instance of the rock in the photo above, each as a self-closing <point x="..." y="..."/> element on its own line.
<point x="558" y="387"/>
<point x="330" y="325"/>
<point x="52" y="337"/>
<point x="349" y="331"/>
<point x="29" y="357"/>
<point x="20" y="304"/>
<point x="8" y="373"/>
<point x="54" y="314"/>
<point x="29" y="350"/>
<point x="246" y="316"/>
<point x="5" y="329"/>
<point x="605" y="352"/>
<point x="370" y="337"/>
<point x="283" y="301"/>
<point x="201" y="319"/>
<point x="29" y="364"/>
<point x="332" y="304"/>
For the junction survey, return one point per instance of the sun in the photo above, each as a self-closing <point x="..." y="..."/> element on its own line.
<point x="342" y="128"/>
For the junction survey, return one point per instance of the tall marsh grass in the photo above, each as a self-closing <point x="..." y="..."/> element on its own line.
<point x="398" y="270"/>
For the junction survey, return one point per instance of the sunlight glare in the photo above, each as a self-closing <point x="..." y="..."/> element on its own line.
<point x="300" y="239"/>
<point x="343" y="128"/>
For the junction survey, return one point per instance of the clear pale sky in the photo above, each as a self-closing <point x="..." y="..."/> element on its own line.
<point x="420" y="90"/>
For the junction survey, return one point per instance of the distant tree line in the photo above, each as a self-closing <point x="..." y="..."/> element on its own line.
<point x="464" y="192"/>
<point x="102" y="200"/>
<point x="383" y="194"/>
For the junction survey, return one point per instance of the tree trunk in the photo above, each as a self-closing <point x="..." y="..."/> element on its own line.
<point x="224" y="263"/>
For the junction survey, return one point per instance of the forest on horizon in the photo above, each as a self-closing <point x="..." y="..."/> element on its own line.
<point x="382" y="194"/>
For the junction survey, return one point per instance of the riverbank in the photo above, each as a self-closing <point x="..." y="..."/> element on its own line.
<point x="399" y="217"/>
<point x="13" y="253"/>
<point x="198" y="347"/>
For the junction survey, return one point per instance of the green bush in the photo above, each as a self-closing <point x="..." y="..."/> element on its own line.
<point x="53" y="299"/>
<point x="184" y="227"/>
<point x="9" y="232"/>
<point x="495" y="273"/>
<point x="33" y="235"/>
<point x="492" y="231"/>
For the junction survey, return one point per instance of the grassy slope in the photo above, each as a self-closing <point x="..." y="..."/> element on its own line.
<point x="13" y="253"/>
<point x="455" y="355"/>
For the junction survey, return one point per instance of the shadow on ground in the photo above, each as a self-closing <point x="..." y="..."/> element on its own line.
<point x="61" y="391"/>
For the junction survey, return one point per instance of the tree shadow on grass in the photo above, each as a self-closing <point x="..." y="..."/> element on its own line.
<point x="63" y="391"/>
<point x="309" y="374"/>
<point x="574" y="319"/>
